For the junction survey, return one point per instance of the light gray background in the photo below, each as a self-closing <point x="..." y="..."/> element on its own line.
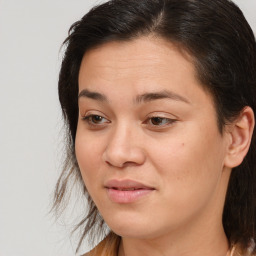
<point x="31" y="32"/>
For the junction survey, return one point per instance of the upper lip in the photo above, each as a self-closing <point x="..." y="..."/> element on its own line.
<point x="126" y="184"/>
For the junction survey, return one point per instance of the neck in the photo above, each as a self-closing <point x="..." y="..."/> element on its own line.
<point x="211" y="241"/>
<point x="130" y="247"/>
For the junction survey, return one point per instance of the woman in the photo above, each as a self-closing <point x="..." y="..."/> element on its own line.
<point x="159" y="99"/>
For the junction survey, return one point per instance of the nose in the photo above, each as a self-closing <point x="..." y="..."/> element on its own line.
<point x="124" y="148"/>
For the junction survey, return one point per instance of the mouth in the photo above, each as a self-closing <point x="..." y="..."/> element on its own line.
<point x="127" y="191"/>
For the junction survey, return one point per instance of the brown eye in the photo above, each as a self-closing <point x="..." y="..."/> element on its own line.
<point x="158" y="121"/>
<point x="96" y="119"/>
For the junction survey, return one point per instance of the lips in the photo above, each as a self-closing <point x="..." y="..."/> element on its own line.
<point x="127" y="191"/>
<point x="126" y="185"/>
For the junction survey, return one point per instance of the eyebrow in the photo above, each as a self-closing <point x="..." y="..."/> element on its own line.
<point x="145" y="97"/>
<point x="92" y="95"/>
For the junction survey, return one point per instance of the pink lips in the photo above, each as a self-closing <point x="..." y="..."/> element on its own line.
<point x="126" y="191"/>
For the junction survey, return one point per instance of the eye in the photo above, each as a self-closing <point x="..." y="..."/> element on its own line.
<point x="94" y="120"/>
<point x="160" y="121"/>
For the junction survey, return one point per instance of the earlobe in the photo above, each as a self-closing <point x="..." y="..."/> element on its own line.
<point x="240" y="132"/>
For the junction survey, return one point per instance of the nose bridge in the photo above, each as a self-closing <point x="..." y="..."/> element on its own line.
<point x="124" y="146"/>
<point x="122" y="135"/>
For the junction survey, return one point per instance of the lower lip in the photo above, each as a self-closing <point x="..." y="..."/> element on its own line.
<point x="127" y="196"/>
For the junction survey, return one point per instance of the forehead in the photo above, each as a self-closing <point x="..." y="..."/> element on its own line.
<point x="141" y="57"/>
<point x="143" y="64"/>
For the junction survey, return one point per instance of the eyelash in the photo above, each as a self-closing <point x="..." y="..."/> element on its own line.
<point x="168" y="121"/>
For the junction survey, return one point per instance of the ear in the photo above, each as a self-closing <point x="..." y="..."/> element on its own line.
<point x="240" y="132"/>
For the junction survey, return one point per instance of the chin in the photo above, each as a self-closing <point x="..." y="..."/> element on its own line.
<point x="134" y="228"/>
<point x="134" y="233"/>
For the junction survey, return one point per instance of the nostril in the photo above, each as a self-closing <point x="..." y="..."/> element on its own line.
<point x="122" y="165"/>
<point x="129" y="163"/>
<point x="114" y="164"/>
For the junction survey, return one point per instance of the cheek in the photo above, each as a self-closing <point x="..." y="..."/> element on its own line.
<point x="190" y="166"/>
<point x="88" y="154"/>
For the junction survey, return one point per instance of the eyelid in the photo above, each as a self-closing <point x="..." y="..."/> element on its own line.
<point x="93" y="112"/>
<point x="162" y="115"/>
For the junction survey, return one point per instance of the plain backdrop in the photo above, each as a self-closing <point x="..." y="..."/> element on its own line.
<point x="31" y="33"/>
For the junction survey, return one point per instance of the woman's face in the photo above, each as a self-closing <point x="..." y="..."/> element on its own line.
<point x="147" y="142"/>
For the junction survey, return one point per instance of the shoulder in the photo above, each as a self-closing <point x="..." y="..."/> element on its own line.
<point x="98" y="250"/>
<point x="238" y="250"/>
<point x="107" y="247"/>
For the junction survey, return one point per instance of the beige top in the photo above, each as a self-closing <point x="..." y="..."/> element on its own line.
<point x="109" y="247"/>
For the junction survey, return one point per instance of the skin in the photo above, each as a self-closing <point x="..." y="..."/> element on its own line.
<point x="182" y="155"/>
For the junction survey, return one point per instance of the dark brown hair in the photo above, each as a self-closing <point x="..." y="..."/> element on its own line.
<point x="222" y="45"/>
